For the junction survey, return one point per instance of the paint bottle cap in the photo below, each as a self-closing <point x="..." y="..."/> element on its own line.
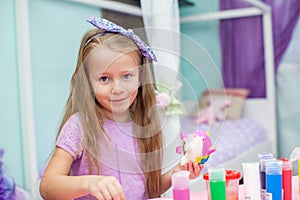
<point x="274" y="167"/>
<point x="263" y="163"/>
<point x="180" y="180"/>
<point x="265" y="155"/>
<point x="286" y="164"/>
<point x="263" y="158"/>
<point x="217" y="174"/>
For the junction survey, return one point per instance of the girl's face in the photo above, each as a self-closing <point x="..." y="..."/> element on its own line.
<point x="114" y="77"/>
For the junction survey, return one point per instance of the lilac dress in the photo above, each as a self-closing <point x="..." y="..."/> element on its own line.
<point x="118" y="158"/>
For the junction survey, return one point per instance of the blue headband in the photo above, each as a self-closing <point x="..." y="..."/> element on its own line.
<point x="108" y="26"/>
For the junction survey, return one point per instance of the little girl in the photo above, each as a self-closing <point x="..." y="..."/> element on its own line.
<point x="109" y="143"/>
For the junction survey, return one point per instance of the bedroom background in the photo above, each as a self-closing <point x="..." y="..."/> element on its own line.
<point x="54" y="40"/>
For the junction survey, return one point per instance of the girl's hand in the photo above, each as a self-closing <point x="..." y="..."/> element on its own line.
<point x="194" y="168"/>
<point x="105" y="187"/>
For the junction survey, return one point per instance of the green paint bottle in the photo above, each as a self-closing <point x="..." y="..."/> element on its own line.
<point x="217" y="184"/>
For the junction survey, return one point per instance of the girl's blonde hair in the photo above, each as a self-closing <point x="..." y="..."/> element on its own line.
<point x="142" y="111"/>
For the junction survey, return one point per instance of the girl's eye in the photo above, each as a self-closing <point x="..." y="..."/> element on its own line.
<point x="104" y="79"/>
<point x="126" y="76"/>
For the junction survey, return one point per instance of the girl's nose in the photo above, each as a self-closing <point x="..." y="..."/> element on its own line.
<point x="117" y="88"/>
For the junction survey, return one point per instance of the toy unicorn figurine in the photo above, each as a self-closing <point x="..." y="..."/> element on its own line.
<point x="196" y="147"/>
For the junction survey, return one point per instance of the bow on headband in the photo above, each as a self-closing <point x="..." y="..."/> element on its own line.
<point x="111" y="27"/>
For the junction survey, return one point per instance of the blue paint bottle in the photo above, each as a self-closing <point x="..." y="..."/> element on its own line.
<point x="274" y="179"/>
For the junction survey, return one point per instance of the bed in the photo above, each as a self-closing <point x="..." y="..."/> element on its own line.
<point x="255" y="131"/>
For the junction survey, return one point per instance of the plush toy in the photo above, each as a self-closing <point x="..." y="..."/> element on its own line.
<point x="196" y="147"/>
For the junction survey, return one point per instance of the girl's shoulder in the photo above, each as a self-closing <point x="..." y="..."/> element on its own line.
<point x="74" y="119"/>
<point x="71" y="135"/>
<point x="73" y="125"/>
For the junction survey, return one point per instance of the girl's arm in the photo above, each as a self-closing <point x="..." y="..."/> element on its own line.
<point x="193" y="167"/>
<point x="56" y="184"/>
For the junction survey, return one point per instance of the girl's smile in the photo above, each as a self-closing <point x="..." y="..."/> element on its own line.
<point x="118" y="102"/>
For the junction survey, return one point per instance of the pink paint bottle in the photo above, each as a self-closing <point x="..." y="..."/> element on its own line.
<point x="181" y="185"/>
<point x="286" y="178"/>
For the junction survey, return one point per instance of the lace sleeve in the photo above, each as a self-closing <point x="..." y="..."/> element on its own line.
<point x="70" y="137"/>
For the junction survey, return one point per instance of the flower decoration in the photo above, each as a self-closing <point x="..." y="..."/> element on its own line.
<point x="7" y="183"/>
